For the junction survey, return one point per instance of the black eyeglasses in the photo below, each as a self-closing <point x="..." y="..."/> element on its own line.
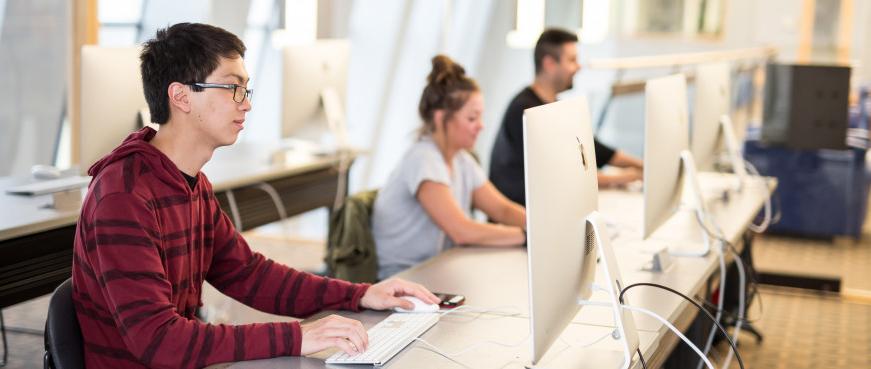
<point x="240" y="93"/>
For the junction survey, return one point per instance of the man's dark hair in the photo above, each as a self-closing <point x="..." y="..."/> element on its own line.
<point x="185" y="53"/>
<point x="550" y="43"/>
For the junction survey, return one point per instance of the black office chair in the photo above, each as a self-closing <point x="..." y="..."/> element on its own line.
<point x="63" y="336"/>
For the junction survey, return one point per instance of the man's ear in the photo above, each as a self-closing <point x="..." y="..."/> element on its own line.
<point x="548" y="62"/>
<point x="179" y="96"/>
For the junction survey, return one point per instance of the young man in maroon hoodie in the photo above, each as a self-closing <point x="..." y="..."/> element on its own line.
<point x="151" y="232"/>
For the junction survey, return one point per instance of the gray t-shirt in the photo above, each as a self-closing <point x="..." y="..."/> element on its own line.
<point x="404" y="233"/>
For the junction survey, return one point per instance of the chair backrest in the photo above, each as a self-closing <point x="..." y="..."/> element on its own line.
<point x="63" y="336"/>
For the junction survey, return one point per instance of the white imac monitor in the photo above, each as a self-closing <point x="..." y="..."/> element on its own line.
<point x="111" y="100"/>
<point x="666" y="135"/>
<point x="712" y="129"/>
<point x="668" y="163"/>
<point x="314" y="85"/>
<point x="565" y="234"/>
<point x="712" y="101"/>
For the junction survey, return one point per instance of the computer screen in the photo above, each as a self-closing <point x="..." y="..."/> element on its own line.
<point x="314" y="85"/>
<point x="666" y="135"/>
<point x="561" y="203"/>
<point x="712" y="101"/>
<point x="111" y="100"/>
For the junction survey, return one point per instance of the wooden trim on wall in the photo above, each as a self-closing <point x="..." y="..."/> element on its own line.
<point x="806" y="31"/>
<point x="845" y="32"/>
<point x="85" y="28"/>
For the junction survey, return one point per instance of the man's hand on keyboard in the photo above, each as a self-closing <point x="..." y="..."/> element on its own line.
<point x="334" y="331"/>
<point x="385" y="295"/>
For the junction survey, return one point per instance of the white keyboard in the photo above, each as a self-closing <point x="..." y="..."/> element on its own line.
<point x="389" y="337"/>
<point x="50" y="186"/>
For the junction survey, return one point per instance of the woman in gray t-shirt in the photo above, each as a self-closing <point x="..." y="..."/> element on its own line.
<point x="425" y="207"/>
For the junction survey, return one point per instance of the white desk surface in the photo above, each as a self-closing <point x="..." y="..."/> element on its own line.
<point x="231" y="167"/>
<point x="496" y="278"/>
<point x="454" y="333"/>
<point x="24" y="215"/>
<point x="247" y="163"/>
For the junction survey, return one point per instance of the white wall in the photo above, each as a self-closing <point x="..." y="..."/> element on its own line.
<point x="747" y="23"/>
<point x="861" y="50"/>
<point x="391" y="48"/>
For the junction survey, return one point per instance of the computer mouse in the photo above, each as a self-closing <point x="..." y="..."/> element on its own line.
<point x="419" y="306"/>
<point x="40" y="171"/>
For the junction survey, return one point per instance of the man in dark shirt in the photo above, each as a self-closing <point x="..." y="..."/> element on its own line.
<point x="556" y="62"/>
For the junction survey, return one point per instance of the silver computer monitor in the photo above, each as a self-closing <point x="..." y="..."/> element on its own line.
<point x="712" y="131"/>
<point x="314" y="85"/>
<point x="666" y="136"/>
<point x="712" y="101"/>
<point x="564" y="232"/>
<point x="111" y="100"/>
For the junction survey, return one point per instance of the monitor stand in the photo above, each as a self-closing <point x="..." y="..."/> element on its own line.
<point x="324" y="136"/>
<point x="625" y="330"/>
<point x="736" y="159"/>
<point x="335" y="114"/>
<point x="693" y="202"/>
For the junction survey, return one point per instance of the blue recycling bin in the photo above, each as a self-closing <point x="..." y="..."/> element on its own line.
<point x="821" y="193"/>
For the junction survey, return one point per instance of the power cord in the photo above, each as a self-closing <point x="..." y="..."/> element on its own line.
<point x="710" y="341"/>
<point x="753" y="283"/>
<point x="742" y="285"/>
<point x="452" y="355"/>
<point x="754" y="279"/>
<point x="471" y="309"/>
<point x="741" y="309"/>
<point x="767" y="217"/>
<point x="673" y="329"/>
<point x="504" y="310"/>
<point x="696" y="304"/>
<point x="5" y="344"/>
<point x="703" y="218"/>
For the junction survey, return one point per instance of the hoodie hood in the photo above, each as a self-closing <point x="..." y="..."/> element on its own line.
<point x="137" y="144"/>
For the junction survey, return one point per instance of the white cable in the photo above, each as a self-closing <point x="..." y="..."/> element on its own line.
<point x="766" y="220"/>
<point x="498" y="310"/>
<point x="453" y="355"/>
<point x="741" y="309"/>
<point x="436" y="350"/>
<point x="719" y="235"/>
<point x="719" y="315"/>
<point x="741" y="295"/>
<point x="476" y="346"/>
<point x="234" y="210"/>
<point x="472" y="309"/>
<point x="673" y="329"/>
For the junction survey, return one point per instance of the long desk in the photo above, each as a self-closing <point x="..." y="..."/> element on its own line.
<point x="456" y="333"/>
<point x="496" y="278"/>
<point x="36" y="241"/>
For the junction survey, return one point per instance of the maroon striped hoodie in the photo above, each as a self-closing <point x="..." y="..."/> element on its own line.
<point x="146" y="242"/>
